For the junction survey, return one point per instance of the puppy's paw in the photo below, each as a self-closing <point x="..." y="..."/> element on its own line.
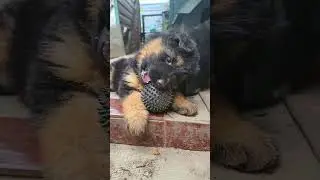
<point x="186" y="108"/>
<point x="251" y="155"/>
<point x="137" y="121"/>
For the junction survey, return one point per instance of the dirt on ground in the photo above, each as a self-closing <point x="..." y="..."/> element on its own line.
<point x="147" y="163"/>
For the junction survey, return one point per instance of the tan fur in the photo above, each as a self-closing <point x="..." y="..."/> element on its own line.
<point x="154" y="47"/>
<point x="183" y="106"/>
<point x="73" y="143"/>
<point x="79" y="68"/>
<point x="133" y="81"/>
<point x="180" y="61"/>
<point x="135" y="113"/>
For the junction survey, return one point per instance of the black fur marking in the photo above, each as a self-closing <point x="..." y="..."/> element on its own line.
<point x="53" y="37"/>
<point x="271" y="47"/>
<point x="104" y="110"/>
<point x="37" y="22"/>
<point x="27" y="30"/>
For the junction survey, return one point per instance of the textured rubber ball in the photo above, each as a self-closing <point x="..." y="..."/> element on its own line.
<point x="155" y="100"/>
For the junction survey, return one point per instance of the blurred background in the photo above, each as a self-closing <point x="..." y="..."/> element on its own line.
<point x="131" y="21"/>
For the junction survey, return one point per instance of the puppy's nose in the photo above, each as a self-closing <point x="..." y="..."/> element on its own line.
<point x="161" y="82"/>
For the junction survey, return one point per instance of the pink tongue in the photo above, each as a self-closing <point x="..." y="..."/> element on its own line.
<point x="146" y="78"/>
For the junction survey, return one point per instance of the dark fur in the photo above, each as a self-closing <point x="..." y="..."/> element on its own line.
<point x="174" y="44"/>
<point x="201" y="80"/>
<point x="56" y="65"/>
<point x="271" y="49"/>
<point x="262" y="51"/>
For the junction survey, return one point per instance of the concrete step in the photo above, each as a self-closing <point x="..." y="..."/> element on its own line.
<point x="166" y="130"/>
<point x="19" y="152"/>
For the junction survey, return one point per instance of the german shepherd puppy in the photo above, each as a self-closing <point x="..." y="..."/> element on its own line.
<point x="262" y="50"/>
<point x="51" y="55"/>
<point x="166" y="60"/>
<point x="169" y="53"/>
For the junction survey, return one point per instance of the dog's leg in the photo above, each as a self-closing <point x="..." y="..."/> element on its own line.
<point x="183" y="106"/>
<point x="239" y="144"/>
<point x="135" y="113"/>
<point x="73" y="144"/>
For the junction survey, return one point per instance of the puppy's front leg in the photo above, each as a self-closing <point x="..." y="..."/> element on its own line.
<point x="73" y="143"/>
<point x="183" y="106"/>
<point x="240" y="144"/>
<point x="135" y="113"/>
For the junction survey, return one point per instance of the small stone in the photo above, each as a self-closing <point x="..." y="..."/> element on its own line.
<point x="155" y="151"/>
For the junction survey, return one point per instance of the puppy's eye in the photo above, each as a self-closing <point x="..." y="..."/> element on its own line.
<point x="169" y="60"/>
<point x="144" y="65"/>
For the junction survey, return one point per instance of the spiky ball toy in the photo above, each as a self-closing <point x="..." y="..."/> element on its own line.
<point x="156" y="100"/>
<point x="104" y="109"/>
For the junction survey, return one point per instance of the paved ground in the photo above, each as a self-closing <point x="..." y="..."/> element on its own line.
<point x="142" y="163"/>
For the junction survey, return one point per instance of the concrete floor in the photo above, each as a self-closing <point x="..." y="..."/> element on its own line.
<point x="298" y="161"/>
<point x="147" y="163"/>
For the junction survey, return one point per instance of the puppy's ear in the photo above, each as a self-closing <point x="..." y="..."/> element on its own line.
<point x="119" y="63"/>
<point x="174" y="40"/>
<point x="185" y="43"/>
<point x="179" y="38"/>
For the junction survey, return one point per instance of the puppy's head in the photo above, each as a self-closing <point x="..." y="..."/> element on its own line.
<point x="168" y="59"/>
